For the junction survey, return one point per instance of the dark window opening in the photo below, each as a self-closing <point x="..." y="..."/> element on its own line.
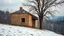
<point x="23" y="19"/>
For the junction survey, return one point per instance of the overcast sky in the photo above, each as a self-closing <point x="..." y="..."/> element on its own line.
<point x="13" y="5"/>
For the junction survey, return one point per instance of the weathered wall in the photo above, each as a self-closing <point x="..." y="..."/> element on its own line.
<point x="36" y="23"/>
<point x="16" y="19"/>
<point x="30" y="20"/>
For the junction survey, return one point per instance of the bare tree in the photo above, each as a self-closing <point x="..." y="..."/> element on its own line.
<point x="41" y="7"/>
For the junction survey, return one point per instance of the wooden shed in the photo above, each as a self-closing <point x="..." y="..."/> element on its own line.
<point x="24" y="18"/>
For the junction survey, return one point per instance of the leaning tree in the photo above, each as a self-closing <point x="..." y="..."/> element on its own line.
<point x="41" y="7"/>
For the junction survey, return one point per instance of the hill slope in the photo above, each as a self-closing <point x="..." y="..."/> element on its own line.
<point x="8" y="30"/>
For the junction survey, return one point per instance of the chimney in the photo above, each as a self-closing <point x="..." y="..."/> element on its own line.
<point x="21" y="8"/>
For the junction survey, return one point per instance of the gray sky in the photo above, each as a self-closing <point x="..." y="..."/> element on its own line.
<point x="13" y="5"/>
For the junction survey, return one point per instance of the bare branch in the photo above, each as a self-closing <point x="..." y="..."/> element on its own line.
<point x="33" y="2"/>
<point x="59" y="3"/>
<point x="49" y="5"/>
<point x="47" y="18"/>
<point x="50" y="13"/>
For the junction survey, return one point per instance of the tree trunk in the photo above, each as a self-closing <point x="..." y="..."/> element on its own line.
<point x="41" y="22"/>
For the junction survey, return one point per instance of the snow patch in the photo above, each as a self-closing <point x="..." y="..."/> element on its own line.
<point x="8" y="30"/>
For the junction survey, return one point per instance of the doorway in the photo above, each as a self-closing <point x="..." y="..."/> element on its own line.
<point x="33" y="23"/>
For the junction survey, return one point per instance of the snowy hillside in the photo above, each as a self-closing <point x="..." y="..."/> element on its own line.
<point x="8" y="30"/>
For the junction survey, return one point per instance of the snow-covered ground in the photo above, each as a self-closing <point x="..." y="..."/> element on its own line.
<point x="8" y="30"/>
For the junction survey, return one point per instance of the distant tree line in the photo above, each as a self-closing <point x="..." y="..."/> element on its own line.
<point x="56" y="25"/>
<point x="5" y="17"/>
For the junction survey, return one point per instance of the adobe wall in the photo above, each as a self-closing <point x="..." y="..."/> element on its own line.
<point x="30" y="20"/>
<point x="16" y="19"/>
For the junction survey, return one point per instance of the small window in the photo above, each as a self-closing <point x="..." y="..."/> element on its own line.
<point x="23" y="19"/>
